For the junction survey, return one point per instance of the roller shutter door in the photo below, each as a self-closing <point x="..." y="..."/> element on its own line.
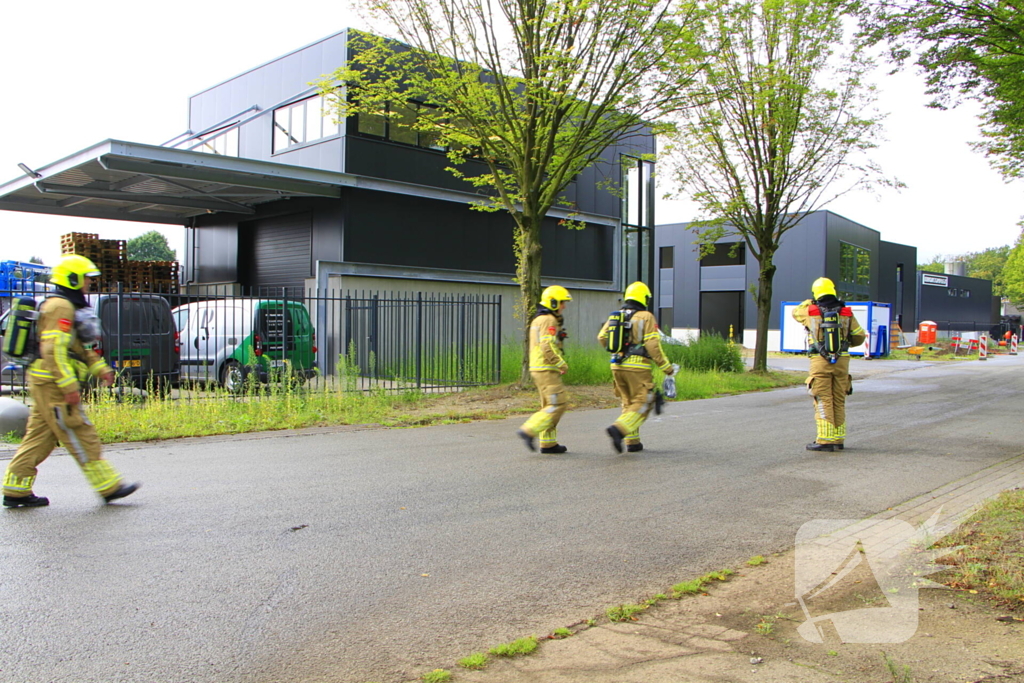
<point x="282" y="252"/>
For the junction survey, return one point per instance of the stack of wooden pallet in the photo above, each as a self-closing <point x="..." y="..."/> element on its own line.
<point x="110" y="256"/>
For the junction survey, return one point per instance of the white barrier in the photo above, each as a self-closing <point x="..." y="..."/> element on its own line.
<point x="983" y="347"/>
<point x="1013" y="345"/>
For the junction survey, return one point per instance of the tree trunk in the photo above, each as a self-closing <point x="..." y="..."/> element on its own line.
<point x="764" y="310"/>
<point x="528" y="272"/>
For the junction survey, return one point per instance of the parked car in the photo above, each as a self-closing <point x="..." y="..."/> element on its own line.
<point x="139" y="340"/>
<point x="227" y="340"/>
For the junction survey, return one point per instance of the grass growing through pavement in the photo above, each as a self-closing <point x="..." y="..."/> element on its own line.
<point x="477" y="660"/>
<point x="520" y="646"/>
<point x="991" y="560"/>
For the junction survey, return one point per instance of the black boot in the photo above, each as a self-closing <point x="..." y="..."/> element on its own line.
<point x="824" y="447"/>
<point x="558" y="448"/>
<point x="634" y="447"/>
<point x="616" y="437"/>
<point x="29" y="501"/>
<point x="527" y="439"/>
<point x="122" y="491"/>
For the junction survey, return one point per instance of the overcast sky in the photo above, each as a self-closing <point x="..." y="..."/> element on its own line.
<point x="75" y="74"/>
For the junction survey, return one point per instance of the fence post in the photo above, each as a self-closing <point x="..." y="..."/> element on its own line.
<point x="982" y="347"/>
<point x="419" y="340"/>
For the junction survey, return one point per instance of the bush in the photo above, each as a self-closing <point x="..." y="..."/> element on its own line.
<point x="706" y="353"/>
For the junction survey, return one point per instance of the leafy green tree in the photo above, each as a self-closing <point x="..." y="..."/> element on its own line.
<point x="522" y="94"/>
<point x="36" y="260"/>
<point x="1013" y="275"/>
<point x="150" y="246"/>
<point x="784" y="135"/>
<point x="968" y="49"/>
<point x="936" y="265"/>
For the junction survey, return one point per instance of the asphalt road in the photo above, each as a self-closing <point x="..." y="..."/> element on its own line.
<point x="373" y="555"/>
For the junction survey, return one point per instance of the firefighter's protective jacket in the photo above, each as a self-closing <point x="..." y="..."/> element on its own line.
<point x="546" y="342"/>
<point x="60" y="347"/>
<point x="850" y="332"/>
<point x="645" y="343"/>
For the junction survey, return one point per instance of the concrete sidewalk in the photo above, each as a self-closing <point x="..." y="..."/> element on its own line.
<point x="694" y="640"/>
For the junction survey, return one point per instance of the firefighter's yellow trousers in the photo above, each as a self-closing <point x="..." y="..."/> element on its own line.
<point x="635" y="388"/>
<point x="544" y="423"/>
<point x="828" y="384"/>
<point x="52" y="421"/>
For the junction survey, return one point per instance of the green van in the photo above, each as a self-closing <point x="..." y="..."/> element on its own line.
<point x="227" y="340"/>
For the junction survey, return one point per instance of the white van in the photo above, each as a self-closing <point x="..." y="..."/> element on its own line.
<point x="227" y="340"/>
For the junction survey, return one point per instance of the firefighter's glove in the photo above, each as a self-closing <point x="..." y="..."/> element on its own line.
<point x="849" y="386"/>
<point x="659" y="402"/>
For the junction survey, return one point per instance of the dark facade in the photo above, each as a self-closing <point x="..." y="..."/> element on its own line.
<point x="956" y="303"/>
<point x="400" y="215"/>
<point x="713" y="294"/>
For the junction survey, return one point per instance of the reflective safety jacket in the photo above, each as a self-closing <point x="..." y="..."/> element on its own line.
<point x="546" y="336"/>
<point x="850" y="332"/>
<point x="60" y="349"/>
<point x="644" y="340"/>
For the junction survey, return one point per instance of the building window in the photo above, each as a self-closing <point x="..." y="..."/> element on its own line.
<point x="637" y="186"/>
<point x="667" y="256"/>
<point x="224" y="143"/>
<point x="304" y="121"/>
<point x="854" y="273"/>
<point x="726" y="254"/>
<point x="397" y="122"/>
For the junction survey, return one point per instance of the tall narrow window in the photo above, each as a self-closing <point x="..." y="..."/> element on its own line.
<point x="637" y="220"/>
<point x="854" y="273"/>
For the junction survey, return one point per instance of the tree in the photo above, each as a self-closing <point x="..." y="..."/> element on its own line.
<point x="523" y="94"/>
<point x="36" y="260"/>
<point x="150" y="246"/>
<point x="968" y="49"/>
<point x="1013" y="274"/>
<point x="788" y="126"/>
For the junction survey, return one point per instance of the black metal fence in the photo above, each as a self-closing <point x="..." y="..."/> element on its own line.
<point x="351" y="340"/>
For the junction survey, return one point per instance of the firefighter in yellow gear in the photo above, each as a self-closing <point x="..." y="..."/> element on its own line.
<point x="829" y="380"/>
<point x="66" y="329"/>
<point x="632" y="374"/>
<point x="547" y="365"/>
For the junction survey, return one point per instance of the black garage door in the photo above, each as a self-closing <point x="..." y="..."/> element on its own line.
<point x="277" y="252"/>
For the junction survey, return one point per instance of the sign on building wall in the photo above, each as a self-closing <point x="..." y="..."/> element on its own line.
<point x="934" y="280"/>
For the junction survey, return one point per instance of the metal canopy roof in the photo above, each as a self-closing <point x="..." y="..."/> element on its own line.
<point x="128" y="181"/>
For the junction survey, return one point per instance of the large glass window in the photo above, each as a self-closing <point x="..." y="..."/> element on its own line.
<point x="726" y="254"/>
<point x="396" y="122"/>
<point x="637" y="220"/>
<point x="304" y="121"/>
<point x="854" y="273"/>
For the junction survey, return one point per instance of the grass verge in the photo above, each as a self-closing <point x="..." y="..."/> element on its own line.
<point x="991" y="559"/>
<point x="296" y="408"/>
